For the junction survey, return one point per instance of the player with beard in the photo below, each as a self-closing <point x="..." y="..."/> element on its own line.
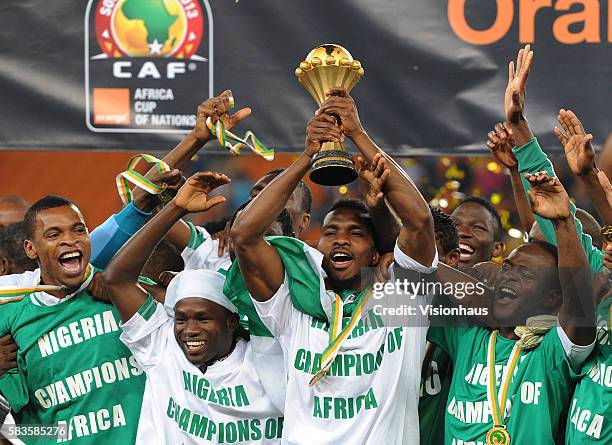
<point x="189" y="341"/>
<point x="536" y="285"/>
<point x="591" y="397"/>
<point x="480" y="231"/>
<point x="365" y="388"/>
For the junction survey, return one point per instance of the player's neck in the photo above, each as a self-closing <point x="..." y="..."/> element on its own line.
<point x="218" y="358"/>
<point x="508" y="332"/>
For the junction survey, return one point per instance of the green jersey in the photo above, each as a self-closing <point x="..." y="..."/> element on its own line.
<point x="435" y="385"/>
<point x="590" y="417"/>
<point x="72" y="369"/>
<point x="539" y="390"/>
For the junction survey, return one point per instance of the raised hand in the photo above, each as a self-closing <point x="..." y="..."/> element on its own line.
<point x="548" y="197"/>
<point x="217" y="108"/>
<point x="321" y="128"/>
<point x="576" y="143"/>
<point x="514" y="98"/>
<point x="500" y="143"/>
<point x="372" y="178"/>
<point x="341" y="105"/>
<point x="172" y="179"/>
<point x="193" y="196"/>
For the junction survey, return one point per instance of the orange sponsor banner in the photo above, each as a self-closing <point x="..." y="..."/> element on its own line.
<point x="111" y="106"/>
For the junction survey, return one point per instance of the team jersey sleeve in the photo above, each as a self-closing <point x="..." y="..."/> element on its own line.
<point x="14" y="388"/>
<point x="146" y="333"/>
<point x="277" y="312"/>
<point x="447" y="338"/>
<point x="576" y="354"/>
<point x="108" y="238"/>
<point x="202" y="252"/>
<point x="531" y="159"/>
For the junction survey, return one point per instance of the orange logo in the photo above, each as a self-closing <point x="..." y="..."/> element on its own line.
<point x="582" y="25"/>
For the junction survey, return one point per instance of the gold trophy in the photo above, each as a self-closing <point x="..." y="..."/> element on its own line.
<point x="325" y="67"/>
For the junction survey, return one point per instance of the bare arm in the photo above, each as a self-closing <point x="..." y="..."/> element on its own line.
<point x="216" y="108"/>
<point x="372" y="178"/>
<point x="121" y="275"/>
<point x="260" y="264"/>
<point x="416" y="237"/>
<point x="581" y="160"/>
<point x="500" y="143"/>
<point x="577" y="312"/>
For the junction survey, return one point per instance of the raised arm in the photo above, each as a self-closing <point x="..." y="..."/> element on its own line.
<point x="372" y="178"/>
<point x="107" y="238"/>
<point x="577" y="313"/>
<point x="581" y="160"/>
<point x="416" y="237"/>
<point x="259" y="262"/>
<point x="530" y="157"/>
<point x="500" y="143"/>
<point x="121" y="275"/>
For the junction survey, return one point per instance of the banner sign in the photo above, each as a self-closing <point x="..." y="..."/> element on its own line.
<point x="129" y="74"/>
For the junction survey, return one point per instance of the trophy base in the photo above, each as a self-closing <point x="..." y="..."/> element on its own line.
<point x="332" y="167"/>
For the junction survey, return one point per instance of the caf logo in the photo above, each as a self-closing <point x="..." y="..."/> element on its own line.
<point x="142" y="60"/>
<point x="145" y="28"/>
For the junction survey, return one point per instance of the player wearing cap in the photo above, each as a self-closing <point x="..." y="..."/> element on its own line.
<point x="202" y="386"/>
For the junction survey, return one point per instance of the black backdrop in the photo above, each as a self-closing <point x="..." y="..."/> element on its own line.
<point x="425" y="90"/>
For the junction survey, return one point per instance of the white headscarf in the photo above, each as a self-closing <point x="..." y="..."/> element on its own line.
<point x="199" y="283"/>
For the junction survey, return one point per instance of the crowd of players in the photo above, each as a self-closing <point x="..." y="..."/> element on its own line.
<point x="152" y="330"/>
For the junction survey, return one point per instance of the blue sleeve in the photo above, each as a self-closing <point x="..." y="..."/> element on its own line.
<point x="109" y="237"/>
<point x="531" y="159"/>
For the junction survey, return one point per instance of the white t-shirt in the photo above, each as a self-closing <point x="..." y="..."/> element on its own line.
<point x="371" y="397"/>
<point x="202" y="252"/>
<point x="181" y="405"/>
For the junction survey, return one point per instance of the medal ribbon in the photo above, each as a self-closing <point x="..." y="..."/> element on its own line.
<point x="124" y="178"/>
<point x="337" y="335"/>
<point x="226" y="137"/>
<point x="497" y="401"/>
<point x="11" y="294"/>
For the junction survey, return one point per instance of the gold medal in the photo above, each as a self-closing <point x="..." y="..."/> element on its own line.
<point x="318" y="376"/>
<point x="498" y="435"/>
<point x="165" y="195"/>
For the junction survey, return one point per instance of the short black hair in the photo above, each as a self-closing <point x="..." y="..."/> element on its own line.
<point x="306" y="198"/>
<point x="498" y="231"/>
<point x="552" y="251"/>
<point x="590" y="226"/>
<point x="359" y="207"/>
<point x="284" y="218"/>
<point x="446" y="230"/>
<point x="48" y="202"/>
<point x="549" y="248"/>
<point x="11" y="246"/>
<point x="216" y="226"/>
<point x="164" y="257"/>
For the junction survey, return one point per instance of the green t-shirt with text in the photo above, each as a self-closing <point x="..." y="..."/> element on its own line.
<point x="539" y="391"/>
<point x="590" y="417"/>
<point x="72" y="369"/>
<point x="435" y="385"/>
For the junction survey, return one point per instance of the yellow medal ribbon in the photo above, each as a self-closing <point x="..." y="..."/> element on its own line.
<point x="124" y="178"/>
<point x="337" y="335"/>
<point x="498" y="434"/>
<point x="12" y="294"/>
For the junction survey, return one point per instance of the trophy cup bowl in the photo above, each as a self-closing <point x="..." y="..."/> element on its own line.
<point x="325" y="67"/>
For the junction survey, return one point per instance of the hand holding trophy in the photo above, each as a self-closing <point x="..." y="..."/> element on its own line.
<point x="325" y="67"/>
